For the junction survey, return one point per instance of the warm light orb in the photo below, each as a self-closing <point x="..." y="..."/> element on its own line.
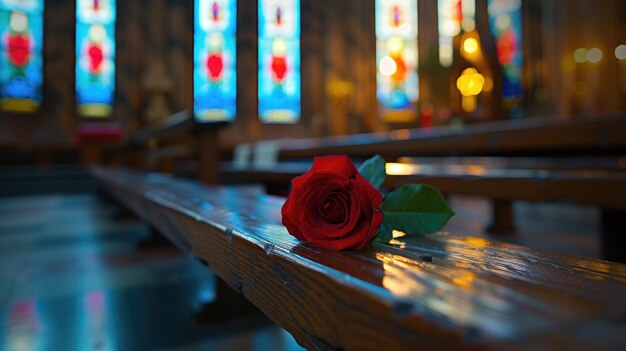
<point x="594" y="55"/>
<point x="397" y="234"/>
<point x="580" y="55"/>
<point x="387" y="66"/>
<point x="620" y="52"/>
<point x="470" y="83"/>
<point x="395" y="46"/>
<point x="392" y="168"/>
<point x="470" y="45"/>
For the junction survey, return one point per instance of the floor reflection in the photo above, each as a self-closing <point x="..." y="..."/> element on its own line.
<point x="72" y="279"/>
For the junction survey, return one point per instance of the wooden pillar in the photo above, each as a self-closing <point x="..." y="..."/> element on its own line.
<point x="501" y="217"/>
<point x="137" y="155"/>
<point x="488" y="45"/>
<point x="208" y="156"/>
<point x="613" y="239"/>
<point x="91" y="154"/>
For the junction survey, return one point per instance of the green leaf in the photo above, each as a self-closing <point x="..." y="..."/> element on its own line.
<point x="416" y="209"/>
<point x="384" y="234"/>
<point x="374" y="170"/>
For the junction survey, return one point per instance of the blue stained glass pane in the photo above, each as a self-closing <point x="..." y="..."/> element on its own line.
<point x="215" y="60"/>
<point x="279" y="61"/>
<point x="21" y="43"/>
<point x="95" y="57"/>
<point x="505" y="20"/>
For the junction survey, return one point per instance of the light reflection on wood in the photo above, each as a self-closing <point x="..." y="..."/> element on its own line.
<point x="500" y="294"/>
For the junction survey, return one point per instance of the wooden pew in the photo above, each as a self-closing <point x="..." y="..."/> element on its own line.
<point x="533" y="137"/>
<point x="436" y="292"/>
<point x="177" y="137"/>
<point x="600" y="188"/>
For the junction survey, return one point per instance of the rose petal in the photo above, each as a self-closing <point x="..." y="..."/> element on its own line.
<point x="339" y="164"/>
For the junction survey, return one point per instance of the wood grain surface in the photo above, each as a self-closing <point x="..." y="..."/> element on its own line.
<point x="536" y="136"/>
<point x="600" y="188"/>
<point x="438" y="292"/>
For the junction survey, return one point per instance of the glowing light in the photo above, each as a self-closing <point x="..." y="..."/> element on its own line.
<point x="401" y="169"/>
<point x="470" y="83"/>
<point x="476" y="242"/>
<point x="463" y="280"/>
<point x="620" y="52"/>
<point x="470" y="45"/>
<point x="594" y="55"/>
<point x="476" y="170"/>
<point x="387" y="66"/>
<point x="395" y="46"/>
<point x="468" y="103"/>
<point x="397" y="234"/>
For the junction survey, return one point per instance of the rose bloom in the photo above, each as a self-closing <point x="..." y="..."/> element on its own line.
<point x="333" y="206"/>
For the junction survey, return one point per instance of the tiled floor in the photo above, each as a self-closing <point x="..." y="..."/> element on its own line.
<point x="72" y="279"/>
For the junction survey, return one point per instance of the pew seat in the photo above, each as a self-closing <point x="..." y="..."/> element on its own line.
<point x="602" y="188"/>
<point x="436" y="292"/>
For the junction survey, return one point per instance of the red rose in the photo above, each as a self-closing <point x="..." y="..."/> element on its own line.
<point x="333" y="206"/>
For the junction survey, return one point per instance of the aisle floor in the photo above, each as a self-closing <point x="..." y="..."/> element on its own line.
<point x="71" y="278"/>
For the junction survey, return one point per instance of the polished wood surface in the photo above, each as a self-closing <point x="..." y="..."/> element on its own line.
<point x="537" y="136"/>
<point x="591" y="187"/>
<point x="441" y="291"/>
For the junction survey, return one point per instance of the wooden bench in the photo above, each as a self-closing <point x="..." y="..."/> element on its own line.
<point x="161" y="146"/>
<point x="436" y="292"/>
<point x="599" y="188"/>
<point x="531" y="137"/>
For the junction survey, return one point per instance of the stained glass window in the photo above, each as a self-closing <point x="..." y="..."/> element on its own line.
<point x="396" y="57"/>
<point x="505" y="20"/>
<point x="279" y="61"/>
<point x="21" y="66"/>
<point x="453" y="15"/>
<point x="95" y="57"/>
<point x="215" y="74"/>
